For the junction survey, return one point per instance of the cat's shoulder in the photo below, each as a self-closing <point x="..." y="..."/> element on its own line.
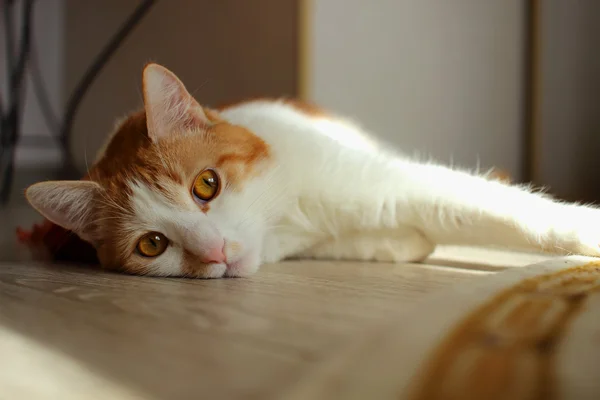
<point x="276" y="114"/>
<point x="278" y="117"/>
<point x="304" y="107"/>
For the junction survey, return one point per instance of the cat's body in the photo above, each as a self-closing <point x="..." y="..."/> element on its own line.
<point x="288" y="180"/>
<point x="349" y="198"/>
<point x="333" y="187"/>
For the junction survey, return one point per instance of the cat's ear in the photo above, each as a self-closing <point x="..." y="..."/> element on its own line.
<point x="66" y="203"/>
<point x="170" y="109"/>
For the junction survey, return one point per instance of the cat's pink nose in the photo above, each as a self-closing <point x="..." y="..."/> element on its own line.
<point x="214" y="256"/>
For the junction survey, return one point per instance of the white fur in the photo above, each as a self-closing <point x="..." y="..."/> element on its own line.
<point x="348" y="199"/>
<point x="332" y="192"/>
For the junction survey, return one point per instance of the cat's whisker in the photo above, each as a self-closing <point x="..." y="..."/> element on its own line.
<point x="112" y="204"/>
<point x="247" y="212"/>
<point x="104" y="219"/>
<point x="160" y="156"/>
<point x="195" y="91"/>
<point x="158" y="150"/>
<point x="274" y="197"/>
<point x="270" y="182"/>
<point x="139" y="92"/>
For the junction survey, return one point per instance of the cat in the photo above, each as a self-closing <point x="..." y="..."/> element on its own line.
<point x="186" y="190"/>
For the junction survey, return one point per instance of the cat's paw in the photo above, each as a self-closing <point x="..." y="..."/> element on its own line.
<point x="586" y="243"/>
<point x="579" y="233"/>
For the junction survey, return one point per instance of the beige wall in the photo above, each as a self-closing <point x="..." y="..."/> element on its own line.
<point x="440" y="77"/>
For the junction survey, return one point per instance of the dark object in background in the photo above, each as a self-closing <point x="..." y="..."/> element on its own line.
<point x="15" y="69"/>
<point x="10" y="120"/>
<point x="50" y="241"/>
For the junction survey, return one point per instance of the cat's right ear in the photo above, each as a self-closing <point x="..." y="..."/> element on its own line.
<point x="170" y="109"/>
<point x="66" y="203"/>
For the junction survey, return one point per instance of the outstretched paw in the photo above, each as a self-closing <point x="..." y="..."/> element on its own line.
<point x="580" y="234"/>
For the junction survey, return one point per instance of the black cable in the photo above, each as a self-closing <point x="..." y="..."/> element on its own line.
<point x="25" y="45"/>
<point x="16" y="71"/>
<point x="9" y="49"/>
<point x="75" y="100"/>
<point x="41" y="94"/>
<point x="9" y="53"/>
<point x="9" y="120"/>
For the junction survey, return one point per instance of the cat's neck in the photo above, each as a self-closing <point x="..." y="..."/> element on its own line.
<point x="308" y="146"/>
<point x="284" y="129"/>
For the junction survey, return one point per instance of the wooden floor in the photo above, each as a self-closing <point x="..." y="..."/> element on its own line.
<point x="75" y="333"/>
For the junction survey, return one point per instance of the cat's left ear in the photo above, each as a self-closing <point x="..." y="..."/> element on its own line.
<point x="66" y="203"/>
<point x="170" y="109"/>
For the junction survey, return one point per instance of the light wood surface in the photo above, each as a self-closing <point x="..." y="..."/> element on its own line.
<point x="73" y="333"/>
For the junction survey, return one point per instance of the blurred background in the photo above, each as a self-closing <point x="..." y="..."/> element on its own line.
<point x="510" y="84"/>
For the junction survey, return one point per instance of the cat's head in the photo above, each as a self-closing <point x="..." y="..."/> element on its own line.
<point x="178" y="191"/>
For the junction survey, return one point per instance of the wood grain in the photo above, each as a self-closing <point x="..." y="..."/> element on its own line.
<point x="69" y="332"/>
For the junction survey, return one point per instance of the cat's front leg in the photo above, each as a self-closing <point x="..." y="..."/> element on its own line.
<point x="398" y="245"/>
<point x="287" y="241"/>
<point x="454" y="207"/>
<point x="318" y="232"/>
<point x="572" y="229"/>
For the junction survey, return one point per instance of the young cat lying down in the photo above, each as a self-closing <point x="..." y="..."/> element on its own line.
<point x="184" y="190"/>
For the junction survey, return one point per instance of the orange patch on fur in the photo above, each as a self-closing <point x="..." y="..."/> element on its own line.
<point x="500" y="175"/>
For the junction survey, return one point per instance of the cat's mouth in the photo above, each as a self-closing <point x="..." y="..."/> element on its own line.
<point x="237" y="263"/>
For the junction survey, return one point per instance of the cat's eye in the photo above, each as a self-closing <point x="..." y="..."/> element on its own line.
<point x="206" y="185"/>
<point x="152" y="244"/>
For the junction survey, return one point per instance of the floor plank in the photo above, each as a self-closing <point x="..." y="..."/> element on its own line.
<point x="175" y="338"/>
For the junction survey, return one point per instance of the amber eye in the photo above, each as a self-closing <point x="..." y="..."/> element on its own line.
<point x="152" y="244"/>
<point x="206" y="185"/>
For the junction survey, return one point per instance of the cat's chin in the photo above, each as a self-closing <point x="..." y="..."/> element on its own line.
<point x="243" y="267"/>
<point x="238" y="268"/>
